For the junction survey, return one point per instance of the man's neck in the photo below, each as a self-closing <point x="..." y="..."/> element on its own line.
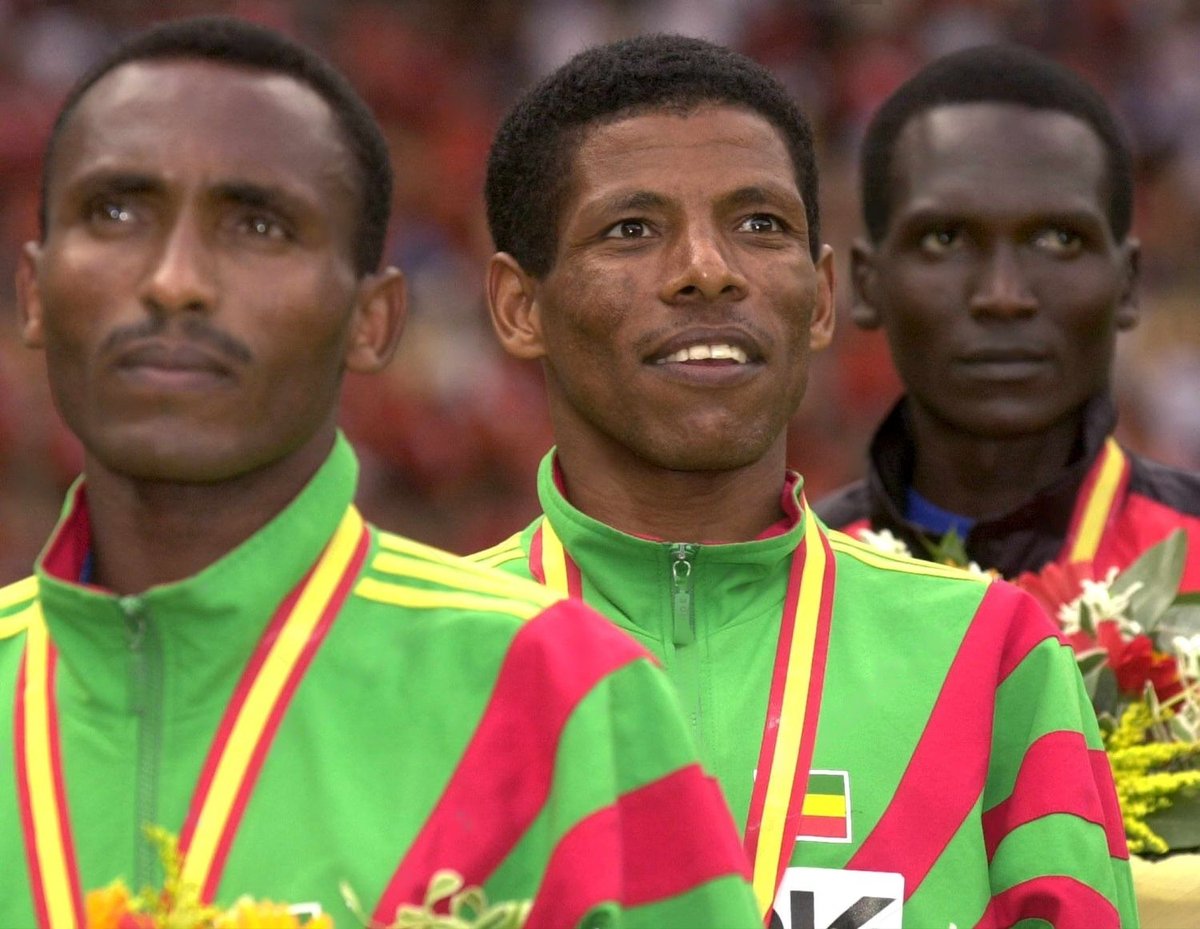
<point x="640" y="499"/>
<point x="147" y="533"/>
<point x="982" y="477"/>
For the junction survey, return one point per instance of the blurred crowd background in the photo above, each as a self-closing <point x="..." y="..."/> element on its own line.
<point x="451" y="436"/>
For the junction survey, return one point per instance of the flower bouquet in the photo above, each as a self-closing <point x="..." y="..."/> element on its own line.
<point x="1137" y="643"/>
<point x="448" y="904"/>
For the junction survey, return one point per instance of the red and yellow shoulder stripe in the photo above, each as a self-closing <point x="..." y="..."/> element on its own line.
<point x="408" y="574"/>
<point x="501" y="553"/>
<point x="18" y="606"/>
<point x="877" y="558"/>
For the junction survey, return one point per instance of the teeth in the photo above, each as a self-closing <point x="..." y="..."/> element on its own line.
<point x="719" y="351"/>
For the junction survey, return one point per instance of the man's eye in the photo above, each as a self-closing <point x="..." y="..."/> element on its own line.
<point x="1059" y="241"/>
<point x="628" y="229"/>
<point x="110" y="211"/>
<point x="937" y="241"/>
<point x="761" y="222"/>
<point x="267" y="227"/>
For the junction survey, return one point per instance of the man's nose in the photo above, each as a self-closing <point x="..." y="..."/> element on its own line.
<point x="182" y="275"/>
<point x="702" y="269"/>
<point x="1001" y="288"/>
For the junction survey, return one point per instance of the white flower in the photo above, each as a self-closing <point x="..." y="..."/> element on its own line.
<point x="885" y="542"/>
<point x="1101" y="604"/>
<point x="1187" y="653"/>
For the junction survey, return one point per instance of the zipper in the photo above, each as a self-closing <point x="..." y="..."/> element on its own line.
<point x="146" y="697"/>
<point x="685" y="672"/>
<point x="682" y="584"/>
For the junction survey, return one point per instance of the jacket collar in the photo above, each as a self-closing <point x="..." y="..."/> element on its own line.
<point x="204" y="626"/>
<point x="634" y="578"/>
<point x="1031" y="533"/>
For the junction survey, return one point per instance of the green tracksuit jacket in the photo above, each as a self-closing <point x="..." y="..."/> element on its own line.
<point x="432" y="714"/>
<point x="956" y="756"/>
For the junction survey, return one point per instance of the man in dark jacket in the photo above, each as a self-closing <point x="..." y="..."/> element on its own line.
<point x="997" y="195"/>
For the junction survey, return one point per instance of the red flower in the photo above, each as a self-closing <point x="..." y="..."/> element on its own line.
<point x="1056" y="585"/>
<point x="1137" y="662"/>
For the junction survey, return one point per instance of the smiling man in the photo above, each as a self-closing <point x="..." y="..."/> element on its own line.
<point x="997" y="192"/>
<point x="904" y="744"/>
<point x="215" y="642"/>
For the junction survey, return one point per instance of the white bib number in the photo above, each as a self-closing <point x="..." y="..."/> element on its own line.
<point x="830" y="898"/>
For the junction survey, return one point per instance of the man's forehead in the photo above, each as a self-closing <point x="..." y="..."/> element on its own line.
<point x="175" y="111"/>
<point x="968" y="146"/>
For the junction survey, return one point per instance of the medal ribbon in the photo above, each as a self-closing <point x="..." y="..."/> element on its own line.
<point x="234" y="760"/>
<point x="793" y="708"/>
<point x="1096" y="500"/>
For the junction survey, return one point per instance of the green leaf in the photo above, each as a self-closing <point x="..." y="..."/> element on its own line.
<point x="949" y="549"/>
<point x="1085" y="619"/>
<point x="1178" y="619"/>
<point x="1159" y="569"/>
<point x="1179" y="824"/>
<point x="1101" y="685"/>
<point x="1088" y="661"/>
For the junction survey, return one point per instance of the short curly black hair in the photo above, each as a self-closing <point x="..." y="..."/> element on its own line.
<point x="532" y="155"/>
<point x="235" y="42"/>
<point x="991" y="74"/>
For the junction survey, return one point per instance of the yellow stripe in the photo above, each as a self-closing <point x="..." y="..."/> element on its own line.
<point x="423" y="599"/>
<point x="521" y="587"/>
<point x="1099" y="504"/>
<point x="513" y="542"/>
<point x="504" y="557"/>
<point x="493" y="582"/>
<point x="264" y="694"/>
<point x="18" y="622"/>
<point x="868" y="554"/>
<point x="52" y="857"/>
<point x="791" y="723"/>
<point x="825" y="805"/>
<point x="554" y="559"/>
<point x="24" y="589"/>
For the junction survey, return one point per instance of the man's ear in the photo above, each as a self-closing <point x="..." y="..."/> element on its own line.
<point x="514" y="307"/>
<point x="29" y="295"/>
<point x="864" y="285"/>
<point x="821" y="326"/>
<point x="1129" y="312"/>
<point x="379" y="315"/>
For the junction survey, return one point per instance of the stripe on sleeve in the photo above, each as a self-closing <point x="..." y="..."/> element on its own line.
<point x="504" y="776"/>
<point x="1060" y="901"/>
<point x="617" y="853"/>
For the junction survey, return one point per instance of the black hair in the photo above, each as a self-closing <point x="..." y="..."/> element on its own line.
<point x="991" y="74"/>
<point x="238" y="43"/>
<point x="531" y="157"/>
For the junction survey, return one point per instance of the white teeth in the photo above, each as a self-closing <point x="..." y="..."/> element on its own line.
<point x="719" y="351"/>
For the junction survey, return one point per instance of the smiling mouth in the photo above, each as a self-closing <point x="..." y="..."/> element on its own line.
<point x="721" y="352"/>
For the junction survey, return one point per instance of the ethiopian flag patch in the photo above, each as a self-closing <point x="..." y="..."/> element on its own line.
<point x="826" y="813"/>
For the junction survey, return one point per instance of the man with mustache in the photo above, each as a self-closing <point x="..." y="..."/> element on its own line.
<point x="997" y="195"/>
<point x="214" y="641"/>
<point x="905" y="744"/>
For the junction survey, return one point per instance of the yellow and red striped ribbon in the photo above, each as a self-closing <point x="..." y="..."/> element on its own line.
<point x="794" y="705"/>
<point x="1096" y="503"/>
<point x="249" y="724"/>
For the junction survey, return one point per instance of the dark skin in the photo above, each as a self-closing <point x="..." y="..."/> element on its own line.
<point x="676" y="324"/>
<point x="1001" y="289"/>
<point x="197" y="300"/>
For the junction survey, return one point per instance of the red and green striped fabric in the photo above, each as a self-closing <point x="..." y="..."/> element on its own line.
<point x="957" y="775"/>
<point x="448" y="717"/>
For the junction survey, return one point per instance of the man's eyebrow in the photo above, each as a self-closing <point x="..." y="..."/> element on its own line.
<point x="248" y="193"/>
<point x="117" y="182"/>
<point x="632" y="201"/>
<point x="756" y="194"/>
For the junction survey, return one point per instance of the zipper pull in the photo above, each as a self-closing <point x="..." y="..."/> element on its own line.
<point x="684" y="632"/>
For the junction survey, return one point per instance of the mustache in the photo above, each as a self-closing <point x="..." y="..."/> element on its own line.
<point x="196" y="329"/>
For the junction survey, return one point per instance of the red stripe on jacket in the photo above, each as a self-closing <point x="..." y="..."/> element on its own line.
<point x="1060" y="901"/>
<point x="631" y="853"/>
<point x="1039" y="791"/>
<point x="504" y="776"/>
<point x="948" y="768"/>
